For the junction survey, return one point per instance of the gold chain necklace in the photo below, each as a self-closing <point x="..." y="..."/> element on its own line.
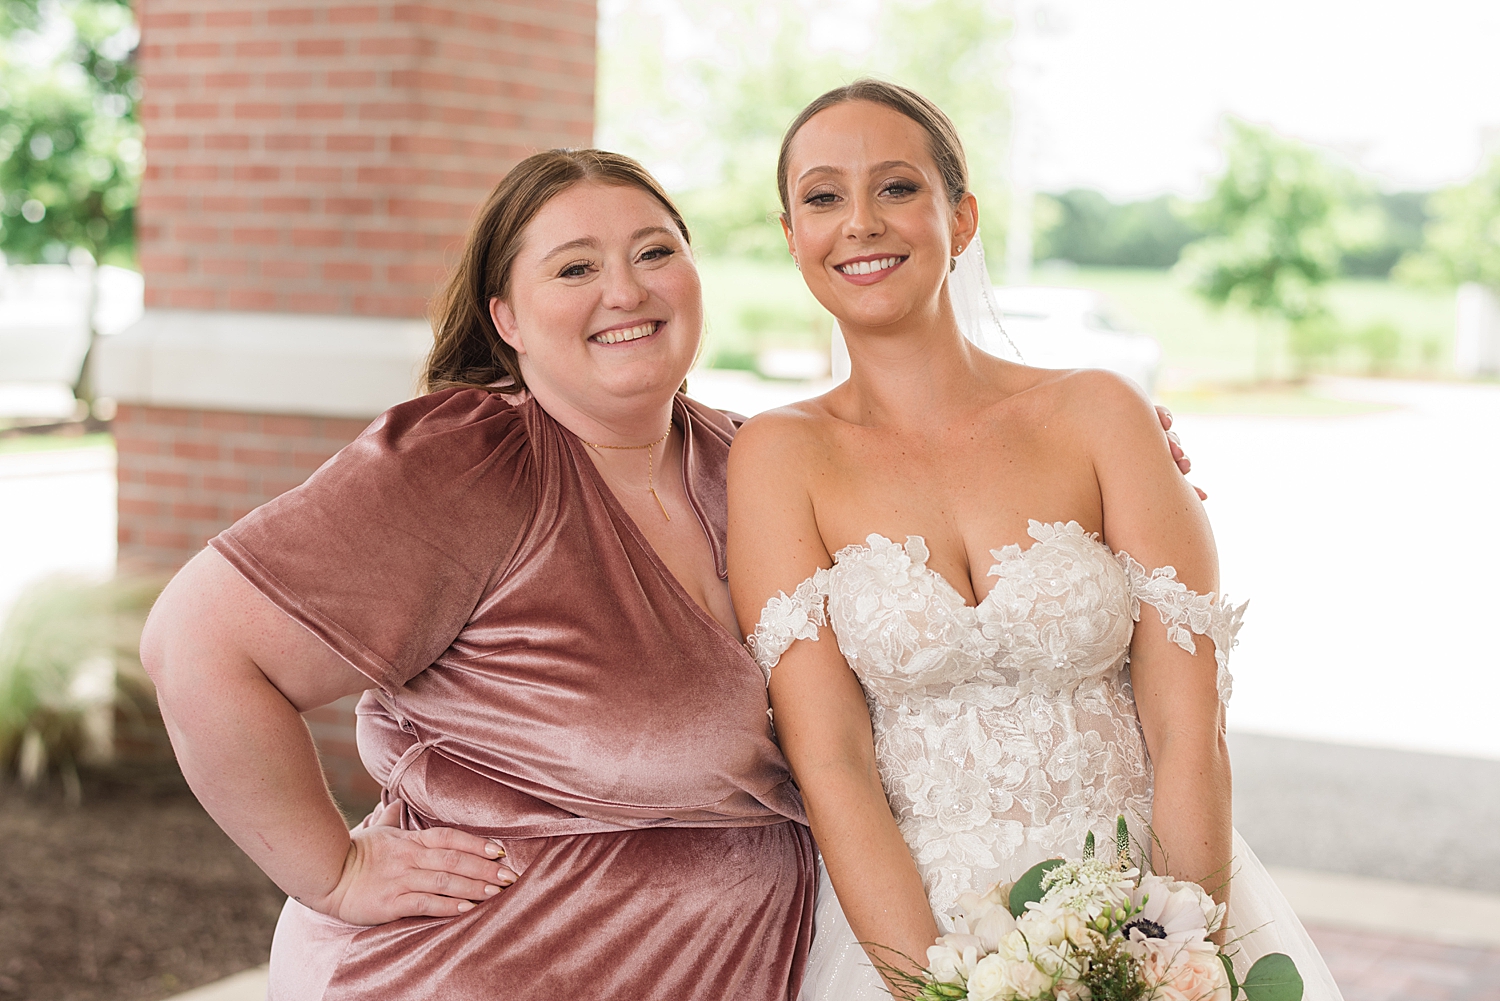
<point x="650" y="464"/>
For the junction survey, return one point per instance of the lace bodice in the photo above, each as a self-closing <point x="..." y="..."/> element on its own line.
<point x="1006" y="730"/>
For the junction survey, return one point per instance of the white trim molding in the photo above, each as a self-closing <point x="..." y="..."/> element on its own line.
<point x="270" y="363"/>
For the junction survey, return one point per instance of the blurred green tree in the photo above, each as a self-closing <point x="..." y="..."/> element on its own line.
<point x="710" y="122"/>
<point x="1279" y="220"/>
<point x="1089" y="229"/>
<point x="1462" y="242"/>
<point x="1403" y="215"/>
<point x="70" y="140"/>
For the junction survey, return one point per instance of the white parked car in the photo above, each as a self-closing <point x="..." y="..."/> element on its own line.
<point x="1075" y="328"/>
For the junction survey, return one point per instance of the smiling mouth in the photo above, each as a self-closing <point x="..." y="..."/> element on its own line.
<point x="620" y="336"/>
<point x="869" y="267"/>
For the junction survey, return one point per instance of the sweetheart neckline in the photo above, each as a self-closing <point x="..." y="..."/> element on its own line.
<point x="1062" y="528"/>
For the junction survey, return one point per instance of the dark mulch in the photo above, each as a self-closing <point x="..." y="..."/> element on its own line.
<point x="134" y="895"/>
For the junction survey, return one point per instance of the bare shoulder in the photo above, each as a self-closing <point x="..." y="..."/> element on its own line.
<point x="1105" y="407"/>
<point x="787" y="438"/>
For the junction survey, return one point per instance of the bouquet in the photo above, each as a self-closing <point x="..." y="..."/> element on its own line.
<point x="1091" y="930"/>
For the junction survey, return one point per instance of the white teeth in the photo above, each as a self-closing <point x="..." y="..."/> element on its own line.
<point x="870" y="267"/>
<point x="628" y="334"/>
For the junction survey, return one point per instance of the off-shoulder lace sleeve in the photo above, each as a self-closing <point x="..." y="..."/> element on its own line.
<point x="788" y="618"/>
<point x="1185" y="613"/>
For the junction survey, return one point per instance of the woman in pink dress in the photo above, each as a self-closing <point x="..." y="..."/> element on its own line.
<point x="523" y="572"/>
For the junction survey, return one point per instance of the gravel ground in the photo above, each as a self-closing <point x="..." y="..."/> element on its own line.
<point x="133" y="896"/>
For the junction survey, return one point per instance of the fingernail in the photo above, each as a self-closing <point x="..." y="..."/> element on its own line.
<point x="491" y="890"/>
<point x="492" y="850"/>
<point x="507" y="878"/>
<point x="465" y="905"/>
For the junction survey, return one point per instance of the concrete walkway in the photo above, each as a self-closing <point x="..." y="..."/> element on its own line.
<point x="57" y="515"/>
<point x="1367" y="547"/>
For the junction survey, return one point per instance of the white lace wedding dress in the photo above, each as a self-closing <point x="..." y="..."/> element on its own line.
<point x="1005" y="732"/>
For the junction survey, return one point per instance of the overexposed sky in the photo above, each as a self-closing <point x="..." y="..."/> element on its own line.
<point x="1128" y="95"/>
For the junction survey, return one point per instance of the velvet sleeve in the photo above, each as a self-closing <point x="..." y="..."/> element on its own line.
<point x="386" y="550"/>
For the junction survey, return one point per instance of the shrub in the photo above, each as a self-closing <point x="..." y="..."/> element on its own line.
<point x="68" y="660"/>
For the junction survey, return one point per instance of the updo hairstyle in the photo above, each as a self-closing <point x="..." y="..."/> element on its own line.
<point x="942" y="138"/>
<point x="467" y="350"/>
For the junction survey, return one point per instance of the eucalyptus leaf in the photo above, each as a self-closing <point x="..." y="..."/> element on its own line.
<point x="1029" y="886"/>
<point x="1234" y="985"/>
<point x="1274" y="977"/>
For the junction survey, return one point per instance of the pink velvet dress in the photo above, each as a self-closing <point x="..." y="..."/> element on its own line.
<point x="540" y="677"/>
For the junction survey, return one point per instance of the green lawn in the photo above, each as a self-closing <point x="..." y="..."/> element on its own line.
<point x="1202" y="345"/>
<point x="12" y="444"/>
<point x="752" y="305"/>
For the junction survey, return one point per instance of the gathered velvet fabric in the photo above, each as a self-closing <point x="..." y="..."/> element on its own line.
<point x="542" y="679"/>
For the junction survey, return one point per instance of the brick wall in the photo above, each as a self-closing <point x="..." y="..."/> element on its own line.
<point x="333" y="728"/>
<point x="316" y="157"/>
<point x="325" y="157"/>
<point x="184" y="475"/>
<point x="187" y="474"/>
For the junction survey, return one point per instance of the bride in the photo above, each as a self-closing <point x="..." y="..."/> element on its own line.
<point x="987" y="605"/>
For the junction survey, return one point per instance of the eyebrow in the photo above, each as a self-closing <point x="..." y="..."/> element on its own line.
<point x="589" y="241"/>
<point x="883" y="165"/>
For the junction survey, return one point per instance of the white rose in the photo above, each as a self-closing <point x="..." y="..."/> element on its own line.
<point x="953" y="958"/>
<point x="989" y="982"/>
<point x="999" y="979"/>
<point x="1014" y="947"/>
<point x="1051" y="925"/>
<point x="1027" y="981"/>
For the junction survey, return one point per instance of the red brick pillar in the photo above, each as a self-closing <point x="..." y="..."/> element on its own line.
<point x="311" y="169"/>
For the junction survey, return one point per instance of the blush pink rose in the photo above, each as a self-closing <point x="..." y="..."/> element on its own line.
<point x="1181" y="972"/>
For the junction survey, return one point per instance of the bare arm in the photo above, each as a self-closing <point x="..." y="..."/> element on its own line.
<point x="1151" y="512"/>
<point x="233" y="674"/>
<point x="822" y="722"/>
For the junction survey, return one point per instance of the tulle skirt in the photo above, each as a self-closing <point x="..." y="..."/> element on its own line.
<point x="1260" y="922"/>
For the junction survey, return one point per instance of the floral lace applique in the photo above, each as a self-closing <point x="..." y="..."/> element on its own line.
<point x="788" y="618"/>
<point x="1005" y="731"/>
<point x="1185" y="612"/>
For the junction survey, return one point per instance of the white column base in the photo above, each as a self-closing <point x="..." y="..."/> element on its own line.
<point x="1476" y="344"/>
<point x="270" y="363"/>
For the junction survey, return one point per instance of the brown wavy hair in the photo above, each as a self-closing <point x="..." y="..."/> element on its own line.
<point x="942" y="138"/>
<point x="467" y="349"/>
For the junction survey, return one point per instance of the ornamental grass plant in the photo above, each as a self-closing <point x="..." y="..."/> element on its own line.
<point x="69" y="661"/>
